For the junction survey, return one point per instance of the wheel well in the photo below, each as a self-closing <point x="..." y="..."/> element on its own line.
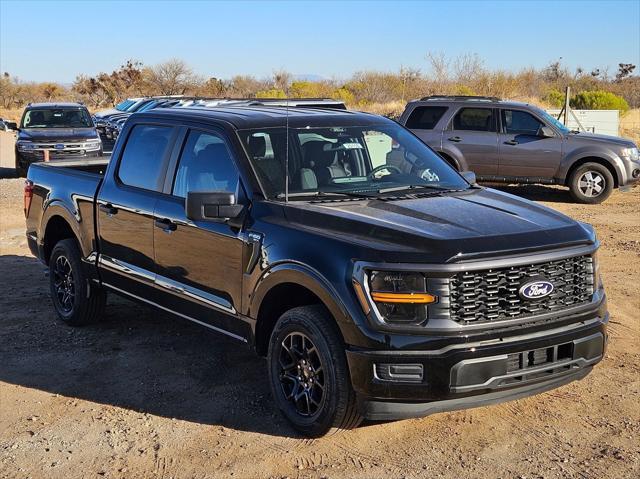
<point x="57" y="229"/>
<point x="449" y="160"/>
<point x="592" y="159"/>
<point x="277" y="301"/>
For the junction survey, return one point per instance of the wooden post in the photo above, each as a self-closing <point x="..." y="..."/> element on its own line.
<point x="567" y="95"/>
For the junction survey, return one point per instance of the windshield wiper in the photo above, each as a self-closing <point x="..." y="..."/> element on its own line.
<point x="413" y="187"/>
<point x="317" y="193"/>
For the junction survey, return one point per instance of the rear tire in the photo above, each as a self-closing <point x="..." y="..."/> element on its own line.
<point x="591" y="183"/>
<point x="76" y="300"/>
<point x="307" y="361"/>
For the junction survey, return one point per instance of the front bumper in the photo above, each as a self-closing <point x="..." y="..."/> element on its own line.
<point x="24" y="159"/>
<point x="472" y="374"/>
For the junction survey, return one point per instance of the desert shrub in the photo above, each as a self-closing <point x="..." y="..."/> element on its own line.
<point x="463" y="90"/>
<point x="554" y="97"/>
<point x="271" y="93"/>
<point x="599" y="100"/>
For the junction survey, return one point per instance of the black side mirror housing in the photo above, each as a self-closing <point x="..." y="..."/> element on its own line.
<point x="11" y="125"/>
<point x="470" y="177"/>
<point x="545" y="132"/>
<point x="212" y="206"/>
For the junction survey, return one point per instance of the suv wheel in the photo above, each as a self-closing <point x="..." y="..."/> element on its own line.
<point x="591" y="183"/>
<point x="308" y="372"/>
<point x="75" y="300"/>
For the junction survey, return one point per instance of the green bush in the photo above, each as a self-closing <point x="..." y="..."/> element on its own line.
<point x="599" y="100"/>
<point x="272" y="93"/>
<point x="463" y="90"/>
<point x="554" y="97"/>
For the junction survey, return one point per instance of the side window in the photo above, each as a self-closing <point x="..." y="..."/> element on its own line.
<point x="142" y="164"/>
<point x="516" y="122"/>
<point x="474" y="119"/>
<point x="425" y="117"/>
<point x="205" y="165"/>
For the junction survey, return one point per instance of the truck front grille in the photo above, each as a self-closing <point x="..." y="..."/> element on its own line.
<point x="493" y="295"/>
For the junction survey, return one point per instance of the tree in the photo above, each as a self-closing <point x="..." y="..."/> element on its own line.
<point x="624" y="70"/>
<point x="173" y="77"/>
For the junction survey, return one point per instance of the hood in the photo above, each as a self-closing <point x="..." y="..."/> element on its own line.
<point x="103" y="113"/>
<point x="602" y="139"/>
<point x="57" y="134"/>
<point x="474" y="223"/>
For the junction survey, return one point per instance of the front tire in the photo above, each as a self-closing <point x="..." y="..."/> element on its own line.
<point x="308" y="373"/>
<point x="591" y="183"/>
<point x="76" y="301"/>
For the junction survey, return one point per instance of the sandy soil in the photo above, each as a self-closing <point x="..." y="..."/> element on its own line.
<point x="142" y="394"/>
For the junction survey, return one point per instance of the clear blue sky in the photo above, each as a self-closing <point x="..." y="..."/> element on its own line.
<point x="57" y="40"/>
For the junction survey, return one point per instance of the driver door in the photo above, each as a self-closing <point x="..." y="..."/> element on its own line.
<point x="199" y="263"/>
<point x="522" y="152"/>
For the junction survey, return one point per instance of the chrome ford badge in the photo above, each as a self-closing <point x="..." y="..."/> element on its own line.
<point x="536" y="289"/>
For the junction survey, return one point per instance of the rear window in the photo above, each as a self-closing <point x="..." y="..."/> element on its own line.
<point x="425" y="117"/>
<point x="143" y="161"/>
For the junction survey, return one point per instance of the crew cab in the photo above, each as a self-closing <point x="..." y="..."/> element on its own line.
<point x="54" y="131"/>
<point x="513" y="142"/>
<point x="378" y="281"/>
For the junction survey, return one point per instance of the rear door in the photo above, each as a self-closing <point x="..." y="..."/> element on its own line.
<point x="199" y="264"/>
<point x="125" y="208"/>
<point x="522" y="152"/>
<point x="472" y="135"/>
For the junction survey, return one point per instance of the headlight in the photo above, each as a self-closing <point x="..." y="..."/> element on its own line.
<point x="400" y="297"/>
<point x="25" y="145"/>
<point x="631" y="154"/>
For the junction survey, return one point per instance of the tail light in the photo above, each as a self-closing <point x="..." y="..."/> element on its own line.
<point x="28" y="195"/>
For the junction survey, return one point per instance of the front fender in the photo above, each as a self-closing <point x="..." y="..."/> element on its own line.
<point x="303" y="275"/>
<point x="589" y="152"/>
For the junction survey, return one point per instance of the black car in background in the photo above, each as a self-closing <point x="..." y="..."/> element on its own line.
<point x="54" y="131"/>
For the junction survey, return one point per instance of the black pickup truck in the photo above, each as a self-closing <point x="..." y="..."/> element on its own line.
<point x="379" y="282"/>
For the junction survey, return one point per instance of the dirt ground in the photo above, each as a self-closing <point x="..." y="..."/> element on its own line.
<point x="146" y="395"/>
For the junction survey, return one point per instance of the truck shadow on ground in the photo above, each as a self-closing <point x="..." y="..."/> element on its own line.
<point x="135" y="358"/>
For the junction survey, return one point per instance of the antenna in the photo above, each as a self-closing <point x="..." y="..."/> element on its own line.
<point x="286" y="154"/>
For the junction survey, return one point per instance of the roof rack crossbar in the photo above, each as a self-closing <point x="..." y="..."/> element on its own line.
<point x="460" y="98"/>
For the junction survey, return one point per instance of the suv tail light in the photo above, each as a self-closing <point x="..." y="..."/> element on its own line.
<point x="28" y="195"/>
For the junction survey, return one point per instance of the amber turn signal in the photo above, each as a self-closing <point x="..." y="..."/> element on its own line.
<point x="403" y="298"/>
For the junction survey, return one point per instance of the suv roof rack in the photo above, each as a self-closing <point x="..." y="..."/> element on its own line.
<point x="460" y="98"/>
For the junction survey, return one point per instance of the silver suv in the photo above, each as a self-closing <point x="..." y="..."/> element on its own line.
<point x="512" y="142"/>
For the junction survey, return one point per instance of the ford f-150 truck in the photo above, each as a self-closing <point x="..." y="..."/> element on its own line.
<point x="378" y="281"/>
<point x="54" y="131"/>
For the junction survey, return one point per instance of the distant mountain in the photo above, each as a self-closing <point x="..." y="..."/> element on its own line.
<point x="308" y="77"/>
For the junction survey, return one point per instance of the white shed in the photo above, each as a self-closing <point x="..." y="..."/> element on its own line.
<point x="606" y="122"/>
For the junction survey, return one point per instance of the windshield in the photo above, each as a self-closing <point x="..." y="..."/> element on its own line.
<point x="122" y="106"/>
<point x="352" y="161"/>
<point x="57" y="118"/>
<point x="551" y="119"/>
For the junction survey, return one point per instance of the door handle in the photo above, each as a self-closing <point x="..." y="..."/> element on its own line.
<point x="165" y="225"/>
<point x="455" y="139"/>
<point x="109" y="209"/>
<point x="511" y="142"/>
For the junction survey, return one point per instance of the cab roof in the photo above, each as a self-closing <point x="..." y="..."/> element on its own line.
<point x="55" y="105"/>
<point x="249" y="117"/>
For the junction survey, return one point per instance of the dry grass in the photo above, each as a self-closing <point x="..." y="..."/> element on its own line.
<point x="11" y="114"/>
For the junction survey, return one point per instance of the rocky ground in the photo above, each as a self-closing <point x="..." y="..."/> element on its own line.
<point x="146" y="395"/>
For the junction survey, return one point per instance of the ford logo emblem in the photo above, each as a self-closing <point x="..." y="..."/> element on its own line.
<point x="536" y="289"/>
<point x="59" y="146"/>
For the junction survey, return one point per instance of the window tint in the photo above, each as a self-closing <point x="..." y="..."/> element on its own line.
<point x="517" y="122"/>
<point x="205" y="165"/>
<point x="142" y="164"/>
<point x="476" y="119"/>
<point x="425" y="117"/>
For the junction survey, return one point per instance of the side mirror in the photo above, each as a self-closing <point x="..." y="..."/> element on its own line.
<point x="11" y="125"/>
<point x="545" y="132"/>
<point x="212" y="206"/>
<point x="470" y="177"/>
